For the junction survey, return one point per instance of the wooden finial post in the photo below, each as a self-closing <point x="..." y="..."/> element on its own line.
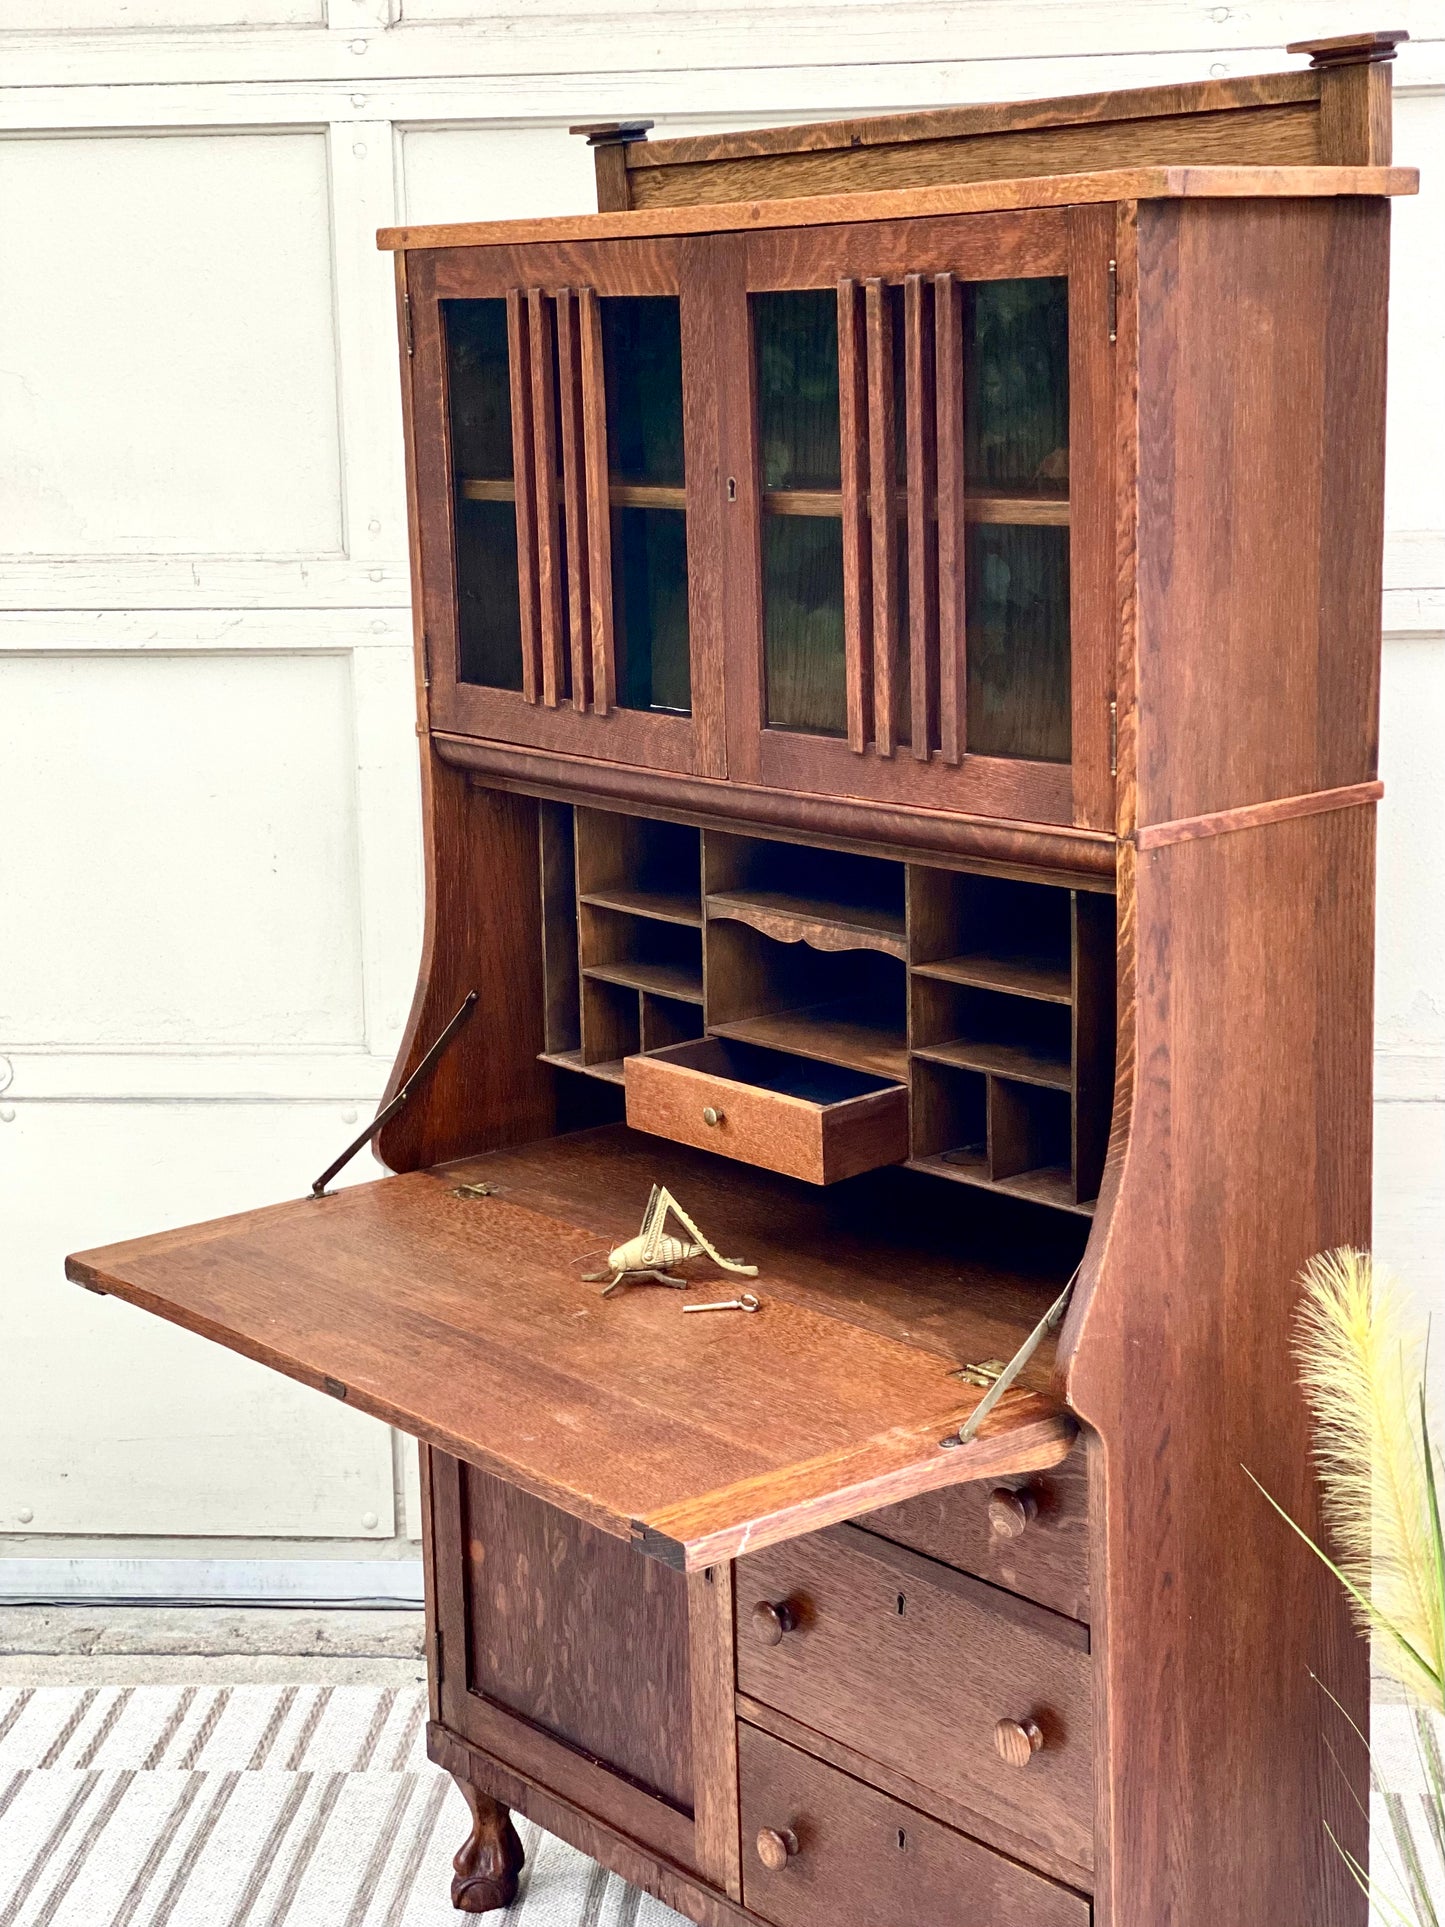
<point x="1354" y="75"/>
<point x="609" y="140"/>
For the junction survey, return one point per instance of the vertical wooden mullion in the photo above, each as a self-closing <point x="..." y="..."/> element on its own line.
<point x="952" y="621"/>
<point x="599" y="502"/>
<point x="544" y="469"/>
<point x="519" y="360"/>
<point x="918" y="372"/>
<point x="857" y="560"/>
<point x="882" y="510"/>
<point x="574" y="496"/>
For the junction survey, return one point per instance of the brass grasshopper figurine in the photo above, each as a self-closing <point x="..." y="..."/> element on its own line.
<point x="646" y="1257"/>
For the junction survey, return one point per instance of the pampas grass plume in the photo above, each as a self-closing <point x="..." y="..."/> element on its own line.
<point x="1362" y="1373"/>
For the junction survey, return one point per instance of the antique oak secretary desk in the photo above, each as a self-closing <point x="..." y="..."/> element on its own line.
<point x="898" y="632"/>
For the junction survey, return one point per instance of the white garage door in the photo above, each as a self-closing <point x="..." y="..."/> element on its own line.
<point x="209" y="865"/>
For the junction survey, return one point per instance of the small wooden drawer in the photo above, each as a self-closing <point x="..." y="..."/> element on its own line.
<point x="815" y="1121"/>
<point x="1030" y="1535"/>
<point x="820" y="1848"/>
<point x="978" y="1696"/>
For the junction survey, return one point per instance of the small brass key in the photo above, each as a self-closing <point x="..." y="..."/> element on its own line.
<point x="748" y="1302"/>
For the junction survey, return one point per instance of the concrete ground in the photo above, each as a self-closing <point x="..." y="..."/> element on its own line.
<point x="208" y="1645"/>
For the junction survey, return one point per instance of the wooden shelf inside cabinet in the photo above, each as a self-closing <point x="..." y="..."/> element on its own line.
<point x="1051" y="1185"/>
<point x="1049" y="983"/>
<point x="825" y="925"/>
<point x="664" y="905"/>
<point x="1002" y="1060"/>
<point x="1021" y="509"/>
<point x="573" y="1060"/>
<point x="662" y="979"/>
<point x="621" y="495"/>
<point x="839" y="1033"/>
<point x="464" y="1319"/>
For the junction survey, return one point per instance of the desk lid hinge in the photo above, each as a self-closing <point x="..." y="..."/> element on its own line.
<point x="406" y="322"/>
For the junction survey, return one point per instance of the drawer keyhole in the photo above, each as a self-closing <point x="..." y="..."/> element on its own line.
<point x="902" y="1840"/>
<point x="902" y="1605"/>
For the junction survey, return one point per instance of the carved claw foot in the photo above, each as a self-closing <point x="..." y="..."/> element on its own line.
<point x="490" y="1859"/>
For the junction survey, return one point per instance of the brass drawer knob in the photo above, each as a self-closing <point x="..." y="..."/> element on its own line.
<point x="776" y="1846"/>
<point x="711" y="1114"/>
<point x="1017" y="1741"/>
<point x="1011" y="1512"/>
<point x="771" y="1621"/>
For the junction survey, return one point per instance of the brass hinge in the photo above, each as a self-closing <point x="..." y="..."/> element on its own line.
<point x="1113" y="737"/>
<point x="983" y="1374"/>
<point x="436" y="1650"/>
<point x="425" y="661"/>
<point x="406" y="321"/>
<point x="1113" y="302"/>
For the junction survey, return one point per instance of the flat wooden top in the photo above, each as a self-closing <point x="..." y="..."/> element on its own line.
<point x="465" y="1321"/>
<point x="967" y="197"/>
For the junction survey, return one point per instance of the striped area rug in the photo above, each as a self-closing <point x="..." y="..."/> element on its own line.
<point x="315" y="1806"/>
<point x="252" y="1806"/>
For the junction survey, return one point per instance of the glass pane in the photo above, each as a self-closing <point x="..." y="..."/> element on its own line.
<point x="1016" y="385"/>
<point x="1018" y="641"/>
<point x="803" y="623"/>
<point x="642" y="367"/>
<point x="795" y="337"/>
<point x="796" y="341"/>
<point x="489" y="601"/>
<point x="489" y="622"/>
<point x="649" y="608"/>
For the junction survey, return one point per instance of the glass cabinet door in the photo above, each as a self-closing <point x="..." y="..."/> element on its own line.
<point x="554" y="501"/>
<point x="916" y="438"/>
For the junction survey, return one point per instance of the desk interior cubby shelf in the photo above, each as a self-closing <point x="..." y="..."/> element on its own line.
<point x="832" y="976"/>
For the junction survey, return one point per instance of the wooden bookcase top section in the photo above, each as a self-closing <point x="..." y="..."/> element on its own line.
<point x="891" y="204"/>
<point x="1335" y="114"/>
<point x="464" y="1319"/>
<point x="1322" y="130"/>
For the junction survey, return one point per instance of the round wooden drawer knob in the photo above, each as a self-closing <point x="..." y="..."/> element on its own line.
<point x="1017" y="1741"/>
<point x="776" y="1846"/>
<point x="770" y="1622"/>
<point x="1010" y="1512"/>
<point x="711" y="1115"/>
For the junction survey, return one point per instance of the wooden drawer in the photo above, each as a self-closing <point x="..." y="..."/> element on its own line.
<point x="914" y="1666"/>
<point x="863" y="1856"/>
<point x="808" y="1120"/>
<point x="1030" y="1534"/>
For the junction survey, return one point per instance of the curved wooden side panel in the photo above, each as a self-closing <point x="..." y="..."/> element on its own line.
<point x="483" y="932"/>
<point x="1247" y="1149"/>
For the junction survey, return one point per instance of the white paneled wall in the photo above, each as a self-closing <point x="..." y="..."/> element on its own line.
<point x="209" y="861"/>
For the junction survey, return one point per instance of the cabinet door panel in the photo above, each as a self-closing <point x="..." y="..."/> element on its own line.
<point x="908" y="442"/>
<point x="564" y="474"/>
<point x="578" y="1633"/>
<point x="560" y="1653"/>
